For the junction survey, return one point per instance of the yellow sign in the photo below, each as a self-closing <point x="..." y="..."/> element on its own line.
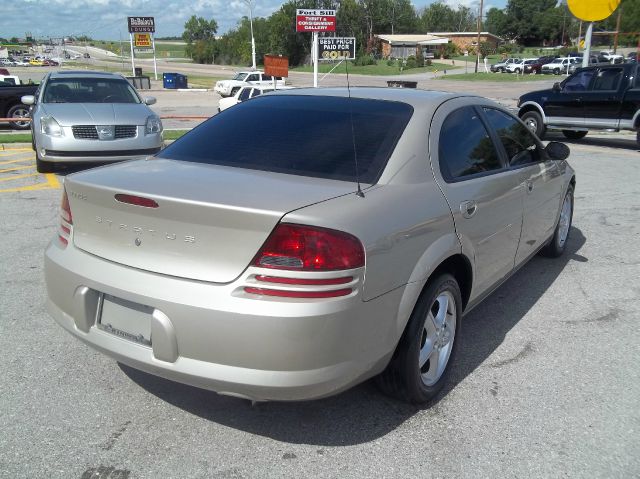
<point x="142" y="40"/>
<point x="592" y="10"/>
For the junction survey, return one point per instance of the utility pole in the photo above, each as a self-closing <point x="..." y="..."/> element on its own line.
<point x="253" y="42"/>
<point x="479" y="31"/>
<point x="615" y="41"/>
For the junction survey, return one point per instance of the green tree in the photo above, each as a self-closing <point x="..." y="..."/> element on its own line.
<point x="524" y="18"/>
<point x="199" y="34"/>
<point x="497" y="23"/>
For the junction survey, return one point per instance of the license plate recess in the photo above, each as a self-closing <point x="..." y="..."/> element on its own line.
<point x="125" y="319"/>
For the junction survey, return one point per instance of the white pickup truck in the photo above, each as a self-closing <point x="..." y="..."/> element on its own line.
<point x="255" y="78"/>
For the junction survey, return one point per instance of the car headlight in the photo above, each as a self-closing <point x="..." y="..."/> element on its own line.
<point x="154" y="125"/>
<point x="49" y="126"/>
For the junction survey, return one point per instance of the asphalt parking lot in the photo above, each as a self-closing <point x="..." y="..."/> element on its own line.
<point x="548" y="382"/>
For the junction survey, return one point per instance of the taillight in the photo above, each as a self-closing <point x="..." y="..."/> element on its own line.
<point x="66" y="220"/>
<point x="136" y="200"/>
<point x="308" y="249"/>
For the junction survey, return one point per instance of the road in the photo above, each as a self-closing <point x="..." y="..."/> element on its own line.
<point x="547" y="384"/>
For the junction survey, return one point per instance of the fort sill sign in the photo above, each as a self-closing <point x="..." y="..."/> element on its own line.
<point x="141" y="30"/>
<point x="315" y="21"/>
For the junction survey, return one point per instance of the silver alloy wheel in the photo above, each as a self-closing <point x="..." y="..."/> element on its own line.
<point x="21" y="113"/>
<point x="438" y="334"/>
<point x="565" y="220"/>
<point x="532" y="124"/>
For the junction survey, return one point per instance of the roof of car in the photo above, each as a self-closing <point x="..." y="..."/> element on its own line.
<point x="84" y="74"/>
<point x="412" y="96"/>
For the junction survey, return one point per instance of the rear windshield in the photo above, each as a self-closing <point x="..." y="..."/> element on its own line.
<point x="89" y="90"/>
<point x="299" y="135"/>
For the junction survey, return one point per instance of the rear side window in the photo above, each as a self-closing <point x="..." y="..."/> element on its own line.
<point x="299" y="135"/>
<point x="465" y="147"/>
<point x="518" y="142"/>
<point x="607" y="79"/>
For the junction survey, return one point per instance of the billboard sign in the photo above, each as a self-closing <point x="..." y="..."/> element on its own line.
<point x="276" y="66"/>
<point x="336" y="48"/>
<point x="142" y="40"/>
<point x="315" y="20"/>
<point x="141" y="24"/>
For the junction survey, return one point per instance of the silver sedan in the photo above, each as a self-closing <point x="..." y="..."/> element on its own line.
<point x="91" y="116"/>
<point x="343" y="239"/>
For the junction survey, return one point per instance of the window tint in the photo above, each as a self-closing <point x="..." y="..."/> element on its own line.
<point x="579" y="81"/>
<point x="267" y="77"/>
<point x="299" y="135"/>
<point x="465" y="146"/>
<point x="253" y="77"/>
<point x="517" y="140"/>
<point x="244" y="94"/>
<point x="607" y="79"/>
<point x="89" y="90"/>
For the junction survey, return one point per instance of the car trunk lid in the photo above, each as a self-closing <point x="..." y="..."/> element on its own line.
<point x="209" y="222"/>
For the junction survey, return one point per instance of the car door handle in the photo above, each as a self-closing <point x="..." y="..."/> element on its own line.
<point x="468" y="208"/>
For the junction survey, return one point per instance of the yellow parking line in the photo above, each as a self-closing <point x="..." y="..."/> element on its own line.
<point x="9" y="150"/>
<point x="52" y="180"/>
<point x="15" y="169"/>
<point x="17" y="177"/>
<point x="40" y="186"/>
<point x="2" y="163"/>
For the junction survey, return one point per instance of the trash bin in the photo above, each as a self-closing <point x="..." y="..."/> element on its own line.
<point x="140" y="83"/>
<point x="174" y="81"/>
<point x="138" y="71"/>
<point x="402" y="84"/>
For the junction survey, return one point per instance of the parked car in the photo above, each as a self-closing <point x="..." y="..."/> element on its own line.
<point x="11" y="79"/>
<point x="559" y="65"/>
<point x="35" y="62"/>
<point x="501" y="66"/>
<point x="50" y="63"/>
<point x="304" y="241"/>
<point x="594" y="98"/>
<point x="245" y="93"/>
<point x="91" y="116"/>
<point x="633" y="57"/>
<point x="11" y="105"/>
<point x="240" y="79"/>
<point x="593" y="60"/>
<point x="527" y="65"/>
<point x="4" y="71"/>
<point x="610" y="57"/>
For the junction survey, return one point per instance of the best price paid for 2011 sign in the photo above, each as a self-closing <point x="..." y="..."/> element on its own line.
<point x="315" y="20"/>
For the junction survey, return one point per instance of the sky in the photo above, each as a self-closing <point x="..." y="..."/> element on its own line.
<point x="106" y="19"/>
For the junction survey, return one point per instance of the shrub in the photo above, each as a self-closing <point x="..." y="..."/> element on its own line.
<point x="391" y="62"/>
<point x="365" y="60"/>
<point x="411" y="62"/>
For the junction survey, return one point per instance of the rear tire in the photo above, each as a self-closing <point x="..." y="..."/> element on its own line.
<point x="558" y="242"/>
<point x="533" y="120"/>
<point x="574" y="135"/>
<point x="422" y="361"/>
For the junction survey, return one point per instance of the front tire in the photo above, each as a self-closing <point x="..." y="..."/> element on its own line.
<point x="422" y="361"/>
<point x="574" y="135"/>
<point x="19" y="111"/>
<point x="533" y="121"/>
<point x="558" y="242"/>
<point x="44" y="166"/>
<point x="556" y="71"/>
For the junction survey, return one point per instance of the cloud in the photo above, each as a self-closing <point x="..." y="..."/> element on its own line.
<point x="106" y="19"/>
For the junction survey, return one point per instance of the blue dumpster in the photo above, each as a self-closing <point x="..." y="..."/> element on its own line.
<point x="173" y="81"/>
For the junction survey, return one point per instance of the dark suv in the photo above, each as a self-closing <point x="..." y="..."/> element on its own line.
<point x="602" y="97"/>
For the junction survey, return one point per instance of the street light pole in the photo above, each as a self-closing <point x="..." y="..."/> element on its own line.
<point x="253" y="41"/>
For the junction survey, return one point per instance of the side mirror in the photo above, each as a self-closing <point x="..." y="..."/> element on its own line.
<point x="28" y="99"/>
<point x="149" y="100"/>
<point x="557" y="87"/>
<point x="557" y="150"/>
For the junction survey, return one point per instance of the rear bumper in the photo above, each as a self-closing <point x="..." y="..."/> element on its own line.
<point x="205" y="337"/>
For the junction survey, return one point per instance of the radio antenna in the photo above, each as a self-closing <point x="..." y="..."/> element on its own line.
<point x="359" y="193"/>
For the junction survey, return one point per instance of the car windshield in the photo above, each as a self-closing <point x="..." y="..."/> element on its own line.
<point x="240" y="76"/>
<point x="89" y="90"/>
<point x="299" y="135"/>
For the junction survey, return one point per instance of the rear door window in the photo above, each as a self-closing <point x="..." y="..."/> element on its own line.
<point x="518" y="142"/>
<point x="317" y="136"/>
<point x="607" y="79"/>
<point x="465" y="147"/>
<point x="578" y="82"/>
